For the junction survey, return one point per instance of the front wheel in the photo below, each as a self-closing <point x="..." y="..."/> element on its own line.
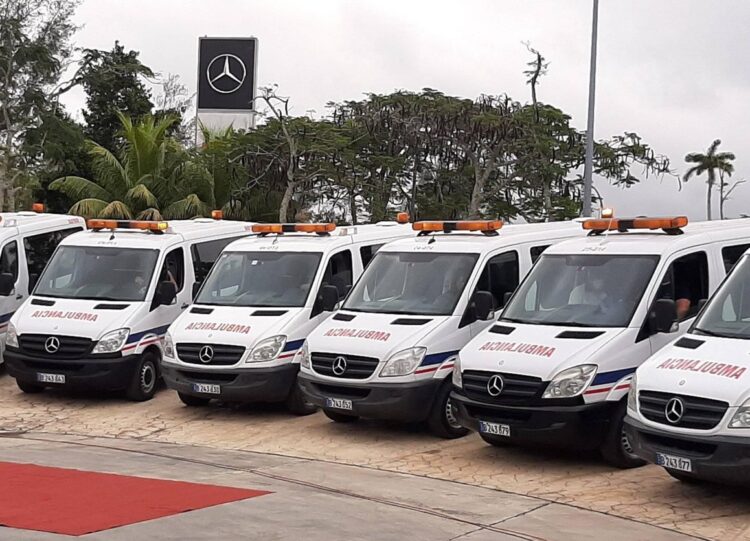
<point x="617" y="449"/>
<point x="297" y="404"/>
<point x="337" y="417"/>
<point x="143" y="385"/>
<point x="29" y="388"/>
<point x="442" y="419"/>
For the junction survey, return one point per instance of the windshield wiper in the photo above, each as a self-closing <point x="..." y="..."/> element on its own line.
<point x="521" y="321"/>
<point x="719" y="334"/>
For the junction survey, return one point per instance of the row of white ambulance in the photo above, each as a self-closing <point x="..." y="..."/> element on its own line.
<point x="527" y="334"/>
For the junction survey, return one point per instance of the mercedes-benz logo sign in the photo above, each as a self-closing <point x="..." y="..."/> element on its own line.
<point x="226" y="73"/>
<point x="52" y="344"/>
<point x="495" y="385"/>
<point x="206" y="354"/>
<point x="674" y="410"/>
<point x="339" y="366"/>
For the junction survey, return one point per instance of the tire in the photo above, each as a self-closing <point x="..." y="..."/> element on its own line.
<point x="193" y="401"/>
<point x="442" y="421"/>
<point x="684" y="477"/>
<point x="145" y="377"/>
<point x="496" y="441"/>
<point x="337" y="417"/>
<point x="297" y="404"/>
<point x="29" y="388"/>
<point x="616" y="449"/>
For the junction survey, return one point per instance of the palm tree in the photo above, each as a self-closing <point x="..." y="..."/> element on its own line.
<point x="152" y="178"/>
<point x="711" y="163"/>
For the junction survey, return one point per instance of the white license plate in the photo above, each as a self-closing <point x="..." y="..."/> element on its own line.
<point x="674" y="462"/>
<point x="339" y="403"/>
<point x="50" y="378"/>
<point x="206" y="388"/>
<point x="496" y="429"/>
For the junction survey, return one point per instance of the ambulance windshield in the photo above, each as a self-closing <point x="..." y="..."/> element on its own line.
<point x="412" y="283"/>
<point x="728" y="312"/>
<point x="582" y="290"/>
<point x="98" y="273"/>
<point x="260" y="279"/>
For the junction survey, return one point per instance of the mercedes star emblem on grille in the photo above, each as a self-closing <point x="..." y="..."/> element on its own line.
<point x="339" y="366"/>
<point x="674" y="410"/>
<point x="206" y="354"/>
<point x="495" y="385"/>
<point x="52" y="344"/>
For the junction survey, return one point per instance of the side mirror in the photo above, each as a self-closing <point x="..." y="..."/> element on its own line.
<point x="701" y="304"/>
<point x="196" y="288"/>
<point x="328" y="298"/>
<point x="166" y="293"/>
<point x="7" y="284"/>
<point x="482" y="302"/>
<point x="506" y="298"/>
<point x="663" y="316"/>
<point x="33" y="279"/>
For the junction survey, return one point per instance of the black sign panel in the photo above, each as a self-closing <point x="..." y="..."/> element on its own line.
<point x="226" y="73"/>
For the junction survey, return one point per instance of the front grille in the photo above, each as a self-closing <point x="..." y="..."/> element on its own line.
<point x="668" y="444"/>
<point x="70" y="347"/>
<point x="221" y="355"/>
<point x="516" y="389"/>
<point x="698" y="413"/>
<point x="356" y="367"/>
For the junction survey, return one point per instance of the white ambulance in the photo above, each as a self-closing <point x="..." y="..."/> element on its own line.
<point x="27" y="240"/>
<point x="689" y="405"/>
<point x="239" y="339"/>
<point x="556" y="368"/>
<point x="100" y="308"/>
<point x="388" y="352"/>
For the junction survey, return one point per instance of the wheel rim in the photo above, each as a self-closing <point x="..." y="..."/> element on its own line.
<point x="148" y="377"/>
<point x="450" y="416"/>
<point x="627" y="448"/>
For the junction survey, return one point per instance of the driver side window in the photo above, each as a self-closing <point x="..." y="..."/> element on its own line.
<point x="173" y="269"/>
<point x="339" y="273"/>
<point x="686" y="283"/>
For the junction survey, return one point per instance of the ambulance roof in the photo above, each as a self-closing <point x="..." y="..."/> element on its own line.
<point x="478" y="243"/>
<point x="312" y="242"/>
<point x="656" y="242"/>
<point x="25" y="222"/>
<point x="178" y="232"/>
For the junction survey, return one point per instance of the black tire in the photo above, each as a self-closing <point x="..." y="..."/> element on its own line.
<point x="193" y="401"/>
<point x="297" y="404"/>
<point x="616" y="449"/>
<point x="29" y="388"/>
<point x="442" y="419"/>
<point x="145" y="377"/>
<point x="496" y="441"/>
<point x="684" y="477"/>
<point x="337" y="417"/>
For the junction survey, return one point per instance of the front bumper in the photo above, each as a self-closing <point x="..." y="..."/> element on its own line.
<point x="724" y="459"/>
<point x="111" y="372"/>
<point x="236" y="385"/>
<point x="406" y="402"/>
<point x="578" y="426"/>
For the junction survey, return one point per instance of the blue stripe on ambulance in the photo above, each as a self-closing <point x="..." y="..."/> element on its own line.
<point x="293" y="345"/>
<point x="136" y="337"/>
<point x="613" y="376"/>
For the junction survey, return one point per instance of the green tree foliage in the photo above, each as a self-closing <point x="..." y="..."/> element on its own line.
<point x="712" y="164"/>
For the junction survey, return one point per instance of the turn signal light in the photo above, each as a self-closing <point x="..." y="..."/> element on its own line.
<point x="402" y="217"/>
<point x="97" y="224"/>
<point x="293" y="228"/>
<point x="447" y="227"/>
<point x="217" y="214"/>
<point x="672" y="223"/>
<point x="38" y="207"/>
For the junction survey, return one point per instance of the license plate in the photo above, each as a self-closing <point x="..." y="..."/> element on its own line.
<point x="496" y="429"/>
<point x="339" y="403"/>
<point x="206" y="388"/>
<point x="50" y="378"/>
<point x="674" y="462"/>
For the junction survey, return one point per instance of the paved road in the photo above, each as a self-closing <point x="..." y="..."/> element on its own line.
<point x="646" y="495"/>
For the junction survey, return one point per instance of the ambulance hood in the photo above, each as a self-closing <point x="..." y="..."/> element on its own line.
<point x="704" y="366"/>
<point x="232" y="325"/>
<point x="534" y="350"/>
<point x="75" y="317"/>
<point x="372" y="335"/>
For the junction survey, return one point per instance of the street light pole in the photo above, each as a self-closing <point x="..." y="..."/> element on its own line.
<point x="589" y="164"/>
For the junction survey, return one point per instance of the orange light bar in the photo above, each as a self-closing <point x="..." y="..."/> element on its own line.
<point x="621" y="224"/>
<point x="217" y="214"/>
<point x="447" y="227"/>
<point x="402" y="217"/>
<point x="97" y="224"/>
<point x="38" y="207"/>
<point x="294" y="228"/>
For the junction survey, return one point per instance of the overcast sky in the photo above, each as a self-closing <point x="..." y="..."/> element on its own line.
<point x="674" y="71"/>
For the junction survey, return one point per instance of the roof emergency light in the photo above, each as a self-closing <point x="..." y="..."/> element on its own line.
<point x="98" y="224"/>
<point x="670" y="224"/>
<point x="320" y="229"/>
<point x="38" y="207"/>
<point x="488" y="227"/>
<point x="217" y="214"/>
<point x="402" y="217"/>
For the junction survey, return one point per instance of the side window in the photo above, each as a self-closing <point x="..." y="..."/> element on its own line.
<point x="500" y="276"/>
<point x="536" y="251"/>
<point x="731" y="254"/>
<point x="686" y="282"/>
<point x="9" y="260"/>
<point x="367" y="253"/>
<point x="204" y="255"/>
<point x="173" y="269"/>
<point x="339" y="272"/>
<point x="39" y="249"/>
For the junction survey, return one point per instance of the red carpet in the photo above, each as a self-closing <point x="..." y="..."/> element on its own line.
<point x="75" y="502"/>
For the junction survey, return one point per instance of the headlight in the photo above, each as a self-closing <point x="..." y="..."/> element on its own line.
<point x="168" y="346"/>
<point x="633" y="394"/>
<point x="11" y="336"/>
<point x="457" y="379"/>
<point x="403" y="363"/>
<point x="112" y="341"/>
<point x="268" y="349"/>
<point x="741" y="418"/>
<point x="303" y="356"/>
<point x="570" y="382"/>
